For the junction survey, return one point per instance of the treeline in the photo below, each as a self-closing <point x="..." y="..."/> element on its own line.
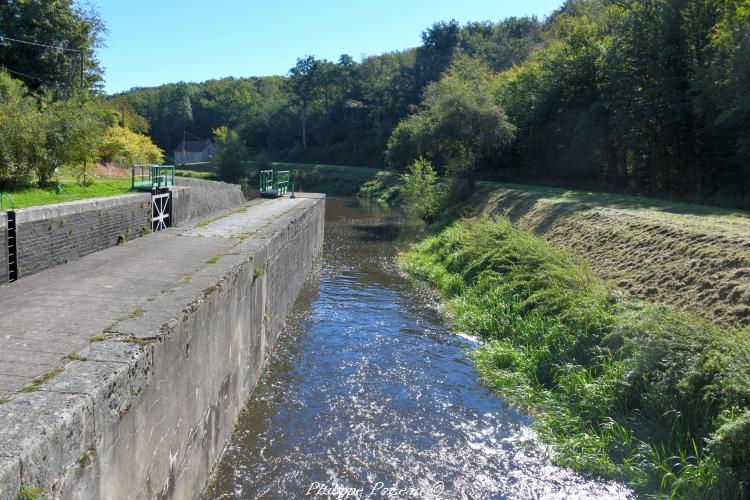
<point x="53" y="116"/>
<point x="635" y="95"/>
<point x="323" y="111"/>
<point x="647" y="96"/>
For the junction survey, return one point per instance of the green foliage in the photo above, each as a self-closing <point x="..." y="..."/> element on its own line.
<point x="122" y="145"/>
<point x="230" y="153"/>
<point x="625" y="389"/>
<point x="22" y="133"/>
<point x="42" y="379"/>
<point x="458" y="123"/>
<point x="30" y="493"/>
<point x="420" y="193"/>
<point x="73" y="133"/>
<point x="60" y="23"/>
<point x="634" y="96"/>
<point x="40" y="136"/>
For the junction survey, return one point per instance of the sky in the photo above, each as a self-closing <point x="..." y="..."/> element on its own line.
<point x="161" y="41"/>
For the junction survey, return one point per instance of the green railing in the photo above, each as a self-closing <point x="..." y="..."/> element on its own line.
<point x="274" y="185"/>
<point x="10" y="201"/>
<point x="150" y="177"/>
<point x="282" y="182"/>
<point x="266" y="181"/>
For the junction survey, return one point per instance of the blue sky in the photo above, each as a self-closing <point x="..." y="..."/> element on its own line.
<point x="159" y="41"/>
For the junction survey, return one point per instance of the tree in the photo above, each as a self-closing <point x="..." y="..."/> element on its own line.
<point x="230" y="153"/>
<point x="21" y="133"/>
<point x="74" y="129"/>
<point x="55" y="23"/>
<point x="434" y="56"/>
<point x="458" y="122"/>
<point x="122" y="145"/>
<point x="304" y="80"/>
<point x="420" y="190"/>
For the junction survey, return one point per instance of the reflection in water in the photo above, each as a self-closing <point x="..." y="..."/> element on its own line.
<point x="366" y="389"/>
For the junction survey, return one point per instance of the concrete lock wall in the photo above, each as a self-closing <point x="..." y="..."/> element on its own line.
<point x="149" y="419"/>
<point x="3" y="248"/>
<point x="208" y="196"/>
<point x="51" y="235"/>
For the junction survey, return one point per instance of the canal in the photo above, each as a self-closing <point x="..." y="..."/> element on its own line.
<point x="367" y="393"/>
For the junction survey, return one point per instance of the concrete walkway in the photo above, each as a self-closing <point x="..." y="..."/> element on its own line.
<point x="47" y="318"/>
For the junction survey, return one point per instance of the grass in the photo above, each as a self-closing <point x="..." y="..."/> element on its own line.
<point x="87" y="457"/>
<point x="41" y="379"/>
<point x="625" y="389"/>
<point x="384" y="188"/>
<point x="216" y="258"/>
<point x="30" y="493"/>
<point x="612" y="200"/>
<point x="195" y="174"/>
<point x="33" y="196"/>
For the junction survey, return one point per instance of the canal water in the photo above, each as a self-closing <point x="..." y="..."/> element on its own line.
<point x="367" y="394"/>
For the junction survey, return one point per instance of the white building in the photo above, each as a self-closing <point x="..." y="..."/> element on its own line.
<point x="193" y="151"/>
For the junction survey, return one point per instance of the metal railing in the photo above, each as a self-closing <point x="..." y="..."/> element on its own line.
<point x="282" y="182"/>
<point x="266" y="181"/>
<point x="149" y="177"/>
<point x="162" y="176"/>
<point x="274" y="185"/>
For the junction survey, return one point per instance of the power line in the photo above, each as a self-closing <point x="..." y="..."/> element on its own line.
<point x="4" y="38"/>
<point x="80" y="53"/>
<point x="27" y="76"/>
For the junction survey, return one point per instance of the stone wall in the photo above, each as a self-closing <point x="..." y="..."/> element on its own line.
<point x="209" y="196"/>
<point x="180" y="205"/>
<point x="3" y="248"/>
<point x="51" y="235"/>
<point x="148" y="416"/>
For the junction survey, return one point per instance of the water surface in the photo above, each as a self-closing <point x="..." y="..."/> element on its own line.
<point x="368" y="394"/>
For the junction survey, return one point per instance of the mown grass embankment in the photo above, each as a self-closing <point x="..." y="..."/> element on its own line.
<point x="622" y="388"/>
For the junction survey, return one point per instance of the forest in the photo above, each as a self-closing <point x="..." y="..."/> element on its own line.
<point x="645" y="96"/>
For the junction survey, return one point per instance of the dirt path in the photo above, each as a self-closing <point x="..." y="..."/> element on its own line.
<point x="693" y="257"/>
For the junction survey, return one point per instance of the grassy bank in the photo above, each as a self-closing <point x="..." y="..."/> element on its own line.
<point x="693" y="257"/>
<point x="625" y="389"/>
<point x="71" y="191"/>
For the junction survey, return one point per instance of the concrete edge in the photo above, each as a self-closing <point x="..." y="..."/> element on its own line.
<point x="32" y="214"/>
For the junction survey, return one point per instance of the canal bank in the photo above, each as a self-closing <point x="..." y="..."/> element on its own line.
<point x="142" y="355"/>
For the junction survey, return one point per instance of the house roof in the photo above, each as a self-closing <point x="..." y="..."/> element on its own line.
<point x="192" y="146"/>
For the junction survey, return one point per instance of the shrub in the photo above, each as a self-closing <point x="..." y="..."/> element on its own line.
<point x="420" y="192"/>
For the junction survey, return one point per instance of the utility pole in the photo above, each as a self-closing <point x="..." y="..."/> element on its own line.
<point x="81" y="57"/>
<point x="183" y="147"/>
